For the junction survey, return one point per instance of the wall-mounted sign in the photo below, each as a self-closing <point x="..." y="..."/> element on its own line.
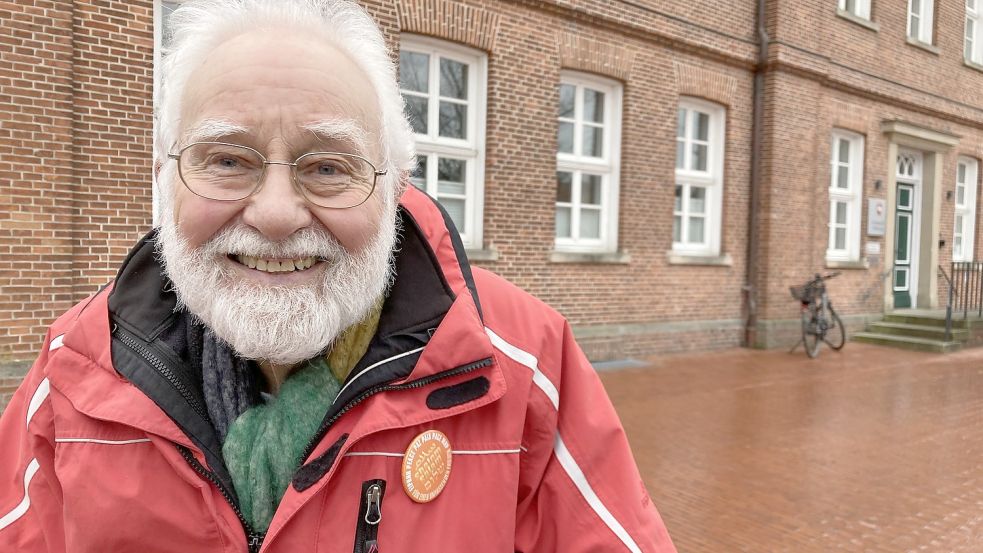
<point x="876" y="216"/>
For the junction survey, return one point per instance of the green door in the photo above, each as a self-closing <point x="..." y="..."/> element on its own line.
<point x="904" y="218"/>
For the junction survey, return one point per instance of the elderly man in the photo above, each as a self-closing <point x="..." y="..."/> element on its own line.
<point x="300" y="358"/>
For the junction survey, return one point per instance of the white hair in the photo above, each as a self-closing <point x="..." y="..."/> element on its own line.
<point x="199" y="26"/>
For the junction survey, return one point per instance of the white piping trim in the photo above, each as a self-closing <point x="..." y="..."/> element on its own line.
<point x="563" y="455"/>
<point x="95" y="441"/>
<point x="374" y="365"/>
<point x="454" y="452"/>
<point x="580" y="480"/>
<point x="21" y="507"/>
<point x="530" y="361"/>
<point x="57" y="342"/>
<point x="40" y="394"/>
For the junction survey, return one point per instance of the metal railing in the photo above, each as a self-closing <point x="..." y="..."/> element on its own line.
<point x="966" y="287"/>
<point x="948" y="305"/>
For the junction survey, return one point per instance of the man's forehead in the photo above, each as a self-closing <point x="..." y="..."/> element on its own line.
<point x="343" y="130"/>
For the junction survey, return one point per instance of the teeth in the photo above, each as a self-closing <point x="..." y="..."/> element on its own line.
<point x="285" y="266"/>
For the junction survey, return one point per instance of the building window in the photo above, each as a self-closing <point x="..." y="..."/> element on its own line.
<point x="845" y="191"/>
<point x="587" y="163"/>
<point x="859" y="8"/>
<point x="964" y="225"/>
<point x="974" y="46"/>
<point x="697" y="210"/>
<point x="920" y="20"/>
<point x="443" y="86"/>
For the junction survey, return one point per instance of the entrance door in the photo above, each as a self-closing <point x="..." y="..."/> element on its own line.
<point x="906" y="230"/>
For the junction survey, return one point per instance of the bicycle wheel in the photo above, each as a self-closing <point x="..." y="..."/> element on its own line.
<point x="835" y="335"/>
<point x="810" y="329"/>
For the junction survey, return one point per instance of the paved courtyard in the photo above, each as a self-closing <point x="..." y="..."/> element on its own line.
<point x="869" y="450"/>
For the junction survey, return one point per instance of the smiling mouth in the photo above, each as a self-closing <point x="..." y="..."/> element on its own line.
<point x="275" y="265"/>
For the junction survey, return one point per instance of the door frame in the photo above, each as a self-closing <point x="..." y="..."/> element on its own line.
<point x="916" y="181"/>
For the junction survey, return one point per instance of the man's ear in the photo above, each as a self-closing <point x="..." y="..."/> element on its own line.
<point x="157" y="167"/>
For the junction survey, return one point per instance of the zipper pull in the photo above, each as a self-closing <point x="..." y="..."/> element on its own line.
<point x="373" y="505"/>
<point x="371" y="546"/>
<point x="255" y="541"/>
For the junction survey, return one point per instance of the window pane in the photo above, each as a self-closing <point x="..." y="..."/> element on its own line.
<point x="419" y="175"/>
<point x="960" y="195"/>
<point x="842" y="177"/>
<point x="590" y="223"/>
<point x="413" y="71"/>
<point x="453" y="120"/>
<point x="957" y="247"/>
<point x="697" y="199"/>
<point x="699" y="160"/>
<point x="844" y="151"/>
<point x="563" y="222"/>
<point x="696" y="226"/>
<point x="593" y="141"/>
<point x="961" y="178"/>
<point x="902" y="247"/>
<point x="681" y="123"/>
<point x="564" y="186"/>
<point x="677" y="225"/>
<point x="416" y="109"/>
<point x="455" y="208"/>
<point x="567" y="95"/>
<point x="840" y="213"/>
<point x="451" y="176"/>
<point x="590" y="189"/>
<point x="840" y="240"/>
<point x="680" y="154"/>
<point x="453" y="79"/>
<point x="564" y="138"/>
<point x="959" y="224"/>
<point x="702" y="126"/>
<point x="593" y="105"/>
<point x="679" y="199"/>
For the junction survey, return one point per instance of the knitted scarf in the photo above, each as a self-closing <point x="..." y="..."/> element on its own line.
<point x="263" y="442"/>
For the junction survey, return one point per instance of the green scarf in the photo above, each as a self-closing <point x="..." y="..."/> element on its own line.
<point x="264" y="445"/>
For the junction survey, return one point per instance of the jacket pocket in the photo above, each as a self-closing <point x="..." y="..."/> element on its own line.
<point x="369" y="516"/>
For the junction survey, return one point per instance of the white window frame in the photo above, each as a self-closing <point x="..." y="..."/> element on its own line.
<point x="860" y="8"/>
<point x="973" y="45"/>
<point x="922" y="31"/>
<point x="158" y="46"/>
<point x="965" y="208"/>
<point x="472" y="147"/>
<point x="852" y="196"/>
<point x="608" y="166"/>
<point x="712" y="179"/>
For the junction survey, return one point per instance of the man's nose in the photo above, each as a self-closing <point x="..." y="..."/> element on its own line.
<point x="277" y="209"/>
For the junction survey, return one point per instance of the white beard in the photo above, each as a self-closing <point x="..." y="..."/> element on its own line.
<point x="280" y="324"/>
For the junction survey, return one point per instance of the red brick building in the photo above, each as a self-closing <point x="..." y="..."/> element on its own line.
<point x="599" y="153"/>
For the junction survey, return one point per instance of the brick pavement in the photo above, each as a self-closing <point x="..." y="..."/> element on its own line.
<point x="872" y="449"/>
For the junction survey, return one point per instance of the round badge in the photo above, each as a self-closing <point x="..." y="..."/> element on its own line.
<point x="427" y="466"/>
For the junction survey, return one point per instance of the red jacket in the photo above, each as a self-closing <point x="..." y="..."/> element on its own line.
<point x="105" y="446"/>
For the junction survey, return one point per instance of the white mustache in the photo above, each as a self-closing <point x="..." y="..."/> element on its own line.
<point x="243" y="240"/>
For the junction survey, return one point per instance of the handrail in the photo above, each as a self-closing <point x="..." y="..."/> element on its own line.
<point x="948" y="306"/>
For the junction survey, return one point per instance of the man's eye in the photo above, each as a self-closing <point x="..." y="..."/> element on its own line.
<point x="228" y="162"/>
<point x="328" y="169"/>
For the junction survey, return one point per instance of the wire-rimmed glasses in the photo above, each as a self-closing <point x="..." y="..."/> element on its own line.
<point x="231" y="172"/>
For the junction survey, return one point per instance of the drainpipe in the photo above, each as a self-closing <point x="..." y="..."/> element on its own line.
<point x="750" y="289"/>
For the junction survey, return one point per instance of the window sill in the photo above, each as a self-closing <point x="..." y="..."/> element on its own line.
<point x="972" y="64"/>
<point x="614" y="258"/>
<point x="848" y="265"/>
<point x="677" y="258"/>
<point x="930" y="48"/>
<point x="485" y="254"/>
<point x="857" y="20"/>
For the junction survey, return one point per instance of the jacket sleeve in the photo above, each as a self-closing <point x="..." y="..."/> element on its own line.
<point x="30" y="497"/>
<point x="580" y="490"/>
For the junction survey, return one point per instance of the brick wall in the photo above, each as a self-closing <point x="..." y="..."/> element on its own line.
<point x="76" y="80"/>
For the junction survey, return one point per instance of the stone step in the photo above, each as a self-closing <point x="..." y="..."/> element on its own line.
<point x="932" y="332"/>
<point x="906" y="342"/>
<point x="926" y="320"/>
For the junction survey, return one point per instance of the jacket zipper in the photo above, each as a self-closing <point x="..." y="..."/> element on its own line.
<point x="369" y="516"/>
<point x="387" y="388"/>
<point x="150" y="357"/>
<point x="254" y="539"/>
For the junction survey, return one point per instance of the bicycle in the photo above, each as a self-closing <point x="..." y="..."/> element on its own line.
<point x="819" y="320"/>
